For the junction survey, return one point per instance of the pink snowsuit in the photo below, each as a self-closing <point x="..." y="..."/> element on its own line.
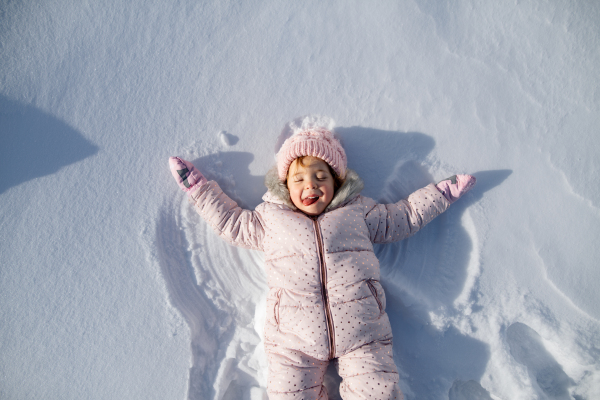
<point x="325" y="300"/>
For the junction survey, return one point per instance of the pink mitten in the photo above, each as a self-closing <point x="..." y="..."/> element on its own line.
<point x="187" y="176"/>
<point x="455" y="186"/>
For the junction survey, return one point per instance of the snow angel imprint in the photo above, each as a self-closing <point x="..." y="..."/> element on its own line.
<point x="325" y="301"/>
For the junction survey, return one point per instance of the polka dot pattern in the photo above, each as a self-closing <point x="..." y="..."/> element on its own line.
<point x="368" y="372"/>
<point x="325" y="300"/>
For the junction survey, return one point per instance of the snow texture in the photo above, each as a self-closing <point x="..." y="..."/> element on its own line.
<point x="112" y="287"/>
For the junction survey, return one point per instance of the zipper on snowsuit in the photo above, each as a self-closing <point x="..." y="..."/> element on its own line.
<point x="330" y="330"/>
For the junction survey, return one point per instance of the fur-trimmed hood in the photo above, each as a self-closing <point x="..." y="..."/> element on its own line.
<point x="278" y="192"/>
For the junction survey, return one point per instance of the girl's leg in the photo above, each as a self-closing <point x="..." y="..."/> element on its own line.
<point x="369" y="372"/>
<point x="295" y="375"/>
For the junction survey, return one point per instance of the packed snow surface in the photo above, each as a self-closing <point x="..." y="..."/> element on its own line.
<point x="112" y="287"/>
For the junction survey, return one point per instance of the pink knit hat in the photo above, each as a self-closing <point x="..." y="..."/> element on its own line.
<point x="317" y="142"/>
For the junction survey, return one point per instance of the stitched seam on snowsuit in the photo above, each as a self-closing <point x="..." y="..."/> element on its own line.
<point x="295" y="391"/>
<point x="291" y="255"/>
<point x="353" y="300"/>
<point x="348" y="251"/>
<point x="299" y="306"/>
<point x="373" y="372"/>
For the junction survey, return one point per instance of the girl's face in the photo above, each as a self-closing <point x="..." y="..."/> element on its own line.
<point x="311" y="185"/>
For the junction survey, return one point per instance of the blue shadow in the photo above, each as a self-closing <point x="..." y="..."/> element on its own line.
<point x="35" y="144"/>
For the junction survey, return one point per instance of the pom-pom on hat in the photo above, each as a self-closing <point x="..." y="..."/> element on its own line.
<point x="310" y="139"/>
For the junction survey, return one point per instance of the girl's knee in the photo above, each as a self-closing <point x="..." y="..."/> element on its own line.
<point x="295" y="375"/>
<point x="314" y="393"/>
<point x="369" y="372"/>
<point x="372" y="386"/>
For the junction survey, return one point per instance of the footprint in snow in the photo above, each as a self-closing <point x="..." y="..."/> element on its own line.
<point x="527" y="348"/>
<point x="469" y="390"/>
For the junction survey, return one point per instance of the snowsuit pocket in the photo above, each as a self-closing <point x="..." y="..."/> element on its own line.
<point x="375" y="294"/>
<point x="276" y="308"/>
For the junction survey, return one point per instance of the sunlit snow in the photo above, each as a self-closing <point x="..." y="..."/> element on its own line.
<point x="111" y="287"/>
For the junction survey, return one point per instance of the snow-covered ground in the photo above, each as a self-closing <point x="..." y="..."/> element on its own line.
<point x="112" y="288"/>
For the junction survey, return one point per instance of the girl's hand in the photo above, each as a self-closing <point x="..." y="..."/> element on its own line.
<point x="454" y="187"/>
<point x="187" y="176"/>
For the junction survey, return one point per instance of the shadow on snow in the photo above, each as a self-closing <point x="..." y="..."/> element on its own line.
<point x="35" y="144"/>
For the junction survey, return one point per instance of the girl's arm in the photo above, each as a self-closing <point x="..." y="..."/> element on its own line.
<point x="237" y="226"/>
<point x="392" y="222"/>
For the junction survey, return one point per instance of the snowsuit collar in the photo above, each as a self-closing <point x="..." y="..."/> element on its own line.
<point x="278" y="192"/>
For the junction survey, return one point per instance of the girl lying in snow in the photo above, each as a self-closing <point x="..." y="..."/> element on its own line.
<point x="325" y="301"/>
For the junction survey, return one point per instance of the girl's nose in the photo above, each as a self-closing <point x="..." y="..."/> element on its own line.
<point x="310" y="184"/>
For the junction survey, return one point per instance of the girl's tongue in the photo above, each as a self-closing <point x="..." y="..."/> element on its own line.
<point x="310" y="200"/>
